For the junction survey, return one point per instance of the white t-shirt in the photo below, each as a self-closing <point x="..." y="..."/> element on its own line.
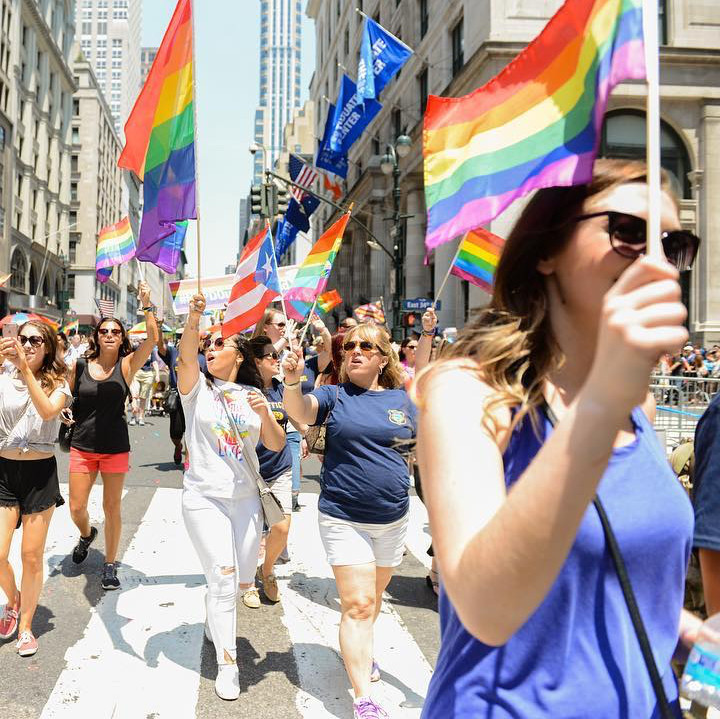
<point x="217" y="465"/>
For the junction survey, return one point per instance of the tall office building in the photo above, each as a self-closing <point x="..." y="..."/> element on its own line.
<point x="109" y="35"/>
<point x="280" y="44"/>
<point x="147" y="58"/>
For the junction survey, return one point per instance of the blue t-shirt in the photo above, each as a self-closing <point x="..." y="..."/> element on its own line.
<point x="273" y="464"/>
<point x="170" y="358"/>
<point x="577" y="655"/>
<point x="365" y="473"/>
<point x="309" y="375"/>
<point x="706" y="478"/>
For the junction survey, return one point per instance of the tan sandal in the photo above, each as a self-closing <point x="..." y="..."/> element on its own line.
<point x="251" y="598"/>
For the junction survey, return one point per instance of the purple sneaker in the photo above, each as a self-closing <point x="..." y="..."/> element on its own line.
<point x="366" y="708"/>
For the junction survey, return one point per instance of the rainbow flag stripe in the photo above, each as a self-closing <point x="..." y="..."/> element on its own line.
<point x="478" y="257"/>
<point x="536" y="124"/>
<point x="327" y="301"/>
<point x="116" y="245"/>
<point x="312" y="277"/>
<point x="69" y="327"/>
<point x="160" y="132"/>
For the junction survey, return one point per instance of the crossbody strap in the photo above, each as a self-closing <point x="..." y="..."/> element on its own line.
<point x="630" y="600"/>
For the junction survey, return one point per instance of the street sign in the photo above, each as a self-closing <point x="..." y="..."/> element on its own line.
<point x="419" y="304"/>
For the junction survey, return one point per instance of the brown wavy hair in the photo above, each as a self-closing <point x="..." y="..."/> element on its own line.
<point x="260" y="326"/>
<point x="510" y="343"/>
<point x="393" y="375"/>
<point x="53" y="370"/>
<point x="125" y="348"/>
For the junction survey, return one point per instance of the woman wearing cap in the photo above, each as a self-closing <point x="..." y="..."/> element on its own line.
<point x="364" y="503"/>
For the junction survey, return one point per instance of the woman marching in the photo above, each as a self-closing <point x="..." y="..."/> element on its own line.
<point x="542" y="406"/>
<point x="33" y="391"/>
<point x="364" y="504"/>
<point x="100" y="441"/>
<point x="221" y="503"/>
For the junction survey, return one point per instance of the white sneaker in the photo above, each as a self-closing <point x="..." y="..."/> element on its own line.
<point x="141" y="423"/>
<point x="227" y="684"/>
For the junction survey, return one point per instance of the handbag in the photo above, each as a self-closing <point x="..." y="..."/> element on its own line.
<point x="624" y="579"/>
<point x="271" y="507"/>
<point x="172" y="401"/>
<point x="65" y="434"/>
<point x="316" y="434"/>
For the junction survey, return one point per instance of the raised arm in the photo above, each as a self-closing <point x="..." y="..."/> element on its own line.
<point x="425" y="343"/>
<point x="188" y="367"/>
<point x="134" y="361"/>
<point x="325" y="356"/>
<point x="272" y="435"/>
<point x="300" y="407"/>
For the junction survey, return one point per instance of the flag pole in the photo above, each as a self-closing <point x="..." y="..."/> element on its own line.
<point x="277" y="272"/>
<point x="309" y="321"/>
<point x="652" y="70"/>
<point x="447" y="276"/>
<point x="197" y="144"/>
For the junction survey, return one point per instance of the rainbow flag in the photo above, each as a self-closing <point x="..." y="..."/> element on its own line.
<point x="312" y="277"/>
<point x="477" y="258"/>
<point x="71" y="326"/>
<point x="327" y="301"/>
<point x="536" y="124"/>
<point x="160" y="132"/>
<point x="116" y="245"/>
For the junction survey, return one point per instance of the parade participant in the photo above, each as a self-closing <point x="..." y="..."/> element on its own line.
<point x="275" y="326"/>
<point x="168" y="353"/>
<point x="33" y="391"/>
<point x="364" y="503"/>
<point x="347" y="324"/>
<point x="142" y="387"/>
<point x="100" y="441"/>
<point x="276" y="468"/>
<point x="220" y="502"/>
<point x="78" y="348"/>
<point x="408" y="348"/>
<point x="62" y="346"/>
<point x="534" y="621"/>
<point x="331" y="374"/>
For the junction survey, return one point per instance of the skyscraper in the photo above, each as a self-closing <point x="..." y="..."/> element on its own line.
<point x="280" y="45"/>
<point x="147" y="58"/>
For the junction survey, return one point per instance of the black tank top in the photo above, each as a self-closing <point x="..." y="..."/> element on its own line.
<point x="99" y="413"/>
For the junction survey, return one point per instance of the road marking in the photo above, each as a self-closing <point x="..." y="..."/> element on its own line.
<point x="311" y="615"/>
<point x="141" y="651"/>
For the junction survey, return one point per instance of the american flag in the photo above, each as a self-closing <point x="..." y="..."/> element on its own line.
<point x="372" y="311"/>
<point x="105" y="307"/>
<point x="303" y="174"/>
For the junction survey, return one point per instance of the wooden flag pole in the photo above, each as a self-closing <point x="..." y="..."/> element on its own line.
<point x="197" y="146"/>
<point x="277" y="270"/>
<point x="447" y="276"/>
<point x="140" y="270"/>
<point x="652" y="69"/>
<point x="307" y="324"/>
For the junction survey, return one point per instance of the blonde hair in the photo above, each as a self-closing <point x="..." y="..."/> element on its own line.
<point x="509" y="344"/>
<point x="393" y="375"/>
<point x="266" y="318"/>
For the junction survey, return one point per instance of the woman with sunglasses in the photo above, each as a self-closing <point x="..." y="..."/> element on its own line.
<point x="364" y="503"/>
<point x="220" y="502"/>
<point x="540" y="406"/>
<point x="100" y="442"/>
<point x="33" y="391"/>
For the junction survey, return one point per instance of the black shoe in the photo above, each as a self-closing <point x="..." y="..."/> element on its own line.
<point x="80" y="552"/>
<point x="109" y="576"/>
<point x="295" y="502"/>
<point x="177" y="457"/>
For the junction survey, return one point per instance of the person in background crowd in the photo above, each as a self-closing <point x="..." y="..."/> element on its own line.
<point x="364" y="503"/>
<point x="142" y="387"/>
<point x="78" y="348"/>
<point x="33" y="391"/>
<point x="347" y="324"/>
<point x="274" y="326"/>
<point x="408" y="348"/>
<point x="62" y="346"/>
<point x="577" y="321"/>
<point x="100" y="441"/>
<point x="220" y="501"/>
<point x="168" y="353"/>
<point x="331" y="374"/>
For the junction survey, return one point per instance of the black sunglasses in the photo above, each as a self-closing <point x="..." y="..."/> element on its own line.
<point x="34" y="341"/>
<point x="115" y="332"/>
<point x="365" y="346"/>
<point x="272" y="354"/>
<point x="628" y="237"/>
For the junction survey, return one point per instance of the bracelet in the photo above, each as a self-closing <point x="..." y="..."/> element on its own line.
<point x="147" y="309"/>
<point x="291" y="385"/>
<point x="428" y="334"/>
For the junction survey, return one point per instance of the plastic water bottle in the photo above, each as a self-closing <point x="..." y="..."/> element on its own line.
<point x="701" y="680"/>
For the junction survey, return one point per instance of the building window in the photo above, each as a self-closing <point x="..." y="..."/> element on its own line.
<point x="76" y="136"/>
<point x="458" y="48"/>
<point x="663" y="22"/>
<point x="423" y="17"/>
<point x="396" y="124"/>
<point x="423" y="89"/>
<point x="18" y="268"/>
<point x="71" y="286"/>
<point x="76" y="107"/>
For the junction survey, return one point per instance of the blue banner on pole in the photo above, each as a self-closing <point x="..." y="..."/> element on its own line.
<point x="381" y="56"/>
<point x="326" y="159"/>
<point x="286" y="235"/>
<point x="350" y="117"/>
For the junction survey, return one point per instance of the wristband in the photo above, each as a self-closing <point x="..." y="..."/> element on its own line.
<point x="147" y="309"/>
<point x="428" y="334"/>
<point x="291" y="385"/>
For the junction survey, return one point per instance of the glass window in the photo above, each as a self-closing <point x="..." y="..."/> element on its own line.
<point x="423" y="89"/>
<point x="458" y="47"/>
<point x="18" y="268"/>
<point x="423" y="17"/>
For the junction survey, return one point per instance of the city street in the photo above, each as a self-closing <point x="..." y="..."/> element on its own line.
<point x="140" y="652"/>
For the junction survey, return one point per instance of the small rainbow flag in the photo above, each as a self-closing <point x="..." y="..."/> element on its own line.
<point x="312" y="277"/>
<point x="536" y="124"/>
<point x="116" y="245"/>
<point x="327" y="301"/>
<point x="372" y="311"/>
<point x="478" y="257"/>
<point x="68" y="327"/>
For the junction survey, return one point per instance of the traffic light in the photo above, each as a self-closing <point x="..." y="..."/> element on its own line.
<point x="256" y="200"/>
<point x="283" y="200"/>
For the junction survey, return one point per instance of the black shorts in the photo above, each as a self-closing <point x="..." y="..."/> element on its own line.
<point x="177" y="423"/>
<point x="31" y="485"/>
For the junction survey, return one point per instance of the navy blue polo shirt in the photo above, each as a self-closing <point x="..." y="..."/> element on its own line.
<point x="273" y="464"/>
<point x="706" y="478"/>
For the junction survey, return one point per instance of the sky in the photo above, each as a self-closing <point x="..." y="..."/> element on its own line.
<point x="227" y="47"/>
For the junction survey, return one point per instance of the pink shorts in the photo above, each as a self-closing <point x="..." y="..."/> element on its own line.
<point x="89" y="462"/>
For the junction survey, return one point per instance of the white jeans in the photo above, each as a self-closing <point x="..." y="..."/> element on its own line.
<point x="226" y="537"/>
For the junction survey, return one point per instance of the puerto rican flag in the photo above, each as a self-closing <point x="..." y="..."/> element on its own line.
<point x="257" y="284"/>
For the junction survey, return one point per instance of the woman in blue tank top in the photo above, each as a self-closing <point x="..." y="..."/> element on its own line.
<point x="534" y="622"/>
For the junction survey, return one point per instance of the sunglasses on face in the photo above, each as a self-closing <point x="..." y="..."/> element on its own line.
<point x="218" y="344"/>
<point x="115" y="332"/>
<point x="275" y="356"/>
<point x="365" y="346"/>
<point x="279" y="325"/>
<point x="410" y="347"/>
<point x="34" y="341"/>
<point x="628" y="237"/>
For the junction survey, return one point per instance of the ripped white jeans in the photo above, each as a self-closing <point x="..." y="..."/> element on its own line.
<point x="226" y="536"/>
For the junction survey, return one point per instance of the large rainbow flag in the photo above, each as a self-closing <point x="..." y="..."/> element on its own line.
<point x="160" y="135"/>
<point x="536" y="124"/>
<point x="312" y="276"/>
<point x="477" y="258"/>
<point x="116" y="245"/>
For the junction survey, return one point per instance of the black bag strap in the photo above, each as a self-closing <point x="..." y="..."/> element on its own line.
<point x="638" y="625"/>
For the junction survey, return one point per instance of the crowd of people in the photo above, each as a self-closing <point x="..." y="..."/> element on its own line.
<point x="536" y="457"/>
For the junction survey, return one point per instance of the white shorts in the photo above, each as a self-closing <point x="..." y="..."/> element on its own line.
<point x="348" y="543"/>
<point x="282" y="489"/>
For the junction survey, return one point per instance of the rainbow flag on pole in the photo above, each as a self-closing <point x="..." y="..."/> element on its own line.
<point x="327" y="301"/>
<point x="116" y="245"/>
<point x="536" y="124"/>
<point x="477" y="258"/>
<point x="72" y="326"/>
<point x="312" y="277"/>
<point x="160" y="132"/>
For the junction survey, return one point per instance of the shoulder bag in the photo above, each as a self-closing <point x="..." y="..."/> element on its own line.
<point x="316" y="434"/>
<point x="663" y="704"/>
<point x="65" y="434"/>
<point x="271" y="507"/>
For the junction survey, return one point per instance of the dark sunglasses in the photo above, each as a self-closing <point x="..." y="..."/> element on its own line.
<point x="628" y="237"/>
<point x="365" y="346"/>
<point x="34" y="341"/>
<point x="411" y="347"/>
<point x="272" y="354"/>
<point x="279" y="325"/>
<point x="115" y="332"/>
<point x="218" y="344"/>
